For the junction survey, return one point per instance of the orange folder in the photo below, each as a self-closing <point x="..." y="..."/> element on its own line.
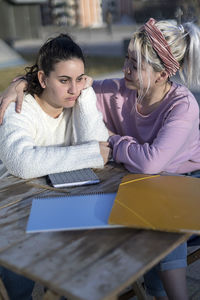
<point x="158" y="202"/>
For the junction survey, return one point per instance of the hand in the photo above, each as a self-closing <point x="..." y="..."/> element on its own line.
<point x="104" y="150"/>
<point x="14" y="93"/>
<point x="111" y="133"/>
<point x="88" y="81"/>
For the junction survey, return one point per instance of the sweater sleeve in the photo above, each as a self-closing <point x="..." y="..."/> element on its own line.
<point x="87" y="119"/>
<point x="151" y="158"/>
<point x="24" y="159"/>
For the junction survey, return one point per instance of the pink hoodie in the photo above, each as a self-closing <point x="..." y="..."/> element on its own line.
<point x="168" y="139"/>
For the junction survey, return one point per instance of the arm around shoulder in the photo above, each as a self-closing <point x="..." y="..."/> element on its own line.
<point x="14" y="93"/>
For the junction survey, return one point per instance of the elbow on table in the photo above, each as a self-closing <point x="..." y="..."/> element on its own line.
<point x="149" y="167"/>
<point x="21" y="174"/>
<point x="21" y="170"/>
<point x="21" y="163"/>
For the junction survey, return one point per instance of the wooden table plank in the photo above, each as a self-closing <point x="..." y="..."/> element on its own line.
<point x="110" y="177"/>
<point x="72" y="260"/>
<point x="59" y="251"/>
<point x="12" y="190"/>
<point x="89" y="265"/>
<point x="13" y="219"/>
<point x="133" y="256"/>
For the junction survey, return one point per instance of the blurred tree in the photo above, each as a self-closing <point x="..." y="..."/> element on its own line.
<point x="19" y="19"/>
<point x="191" y="10"/>
<point x="179" y="14"/>
<point x="109" y="18"/>
<point x="181" y="10"/>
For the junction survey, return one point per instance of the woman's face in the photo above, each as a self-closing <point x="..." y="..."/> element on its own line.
<point x="64" y="83"/>
<point x="131" y="73"/>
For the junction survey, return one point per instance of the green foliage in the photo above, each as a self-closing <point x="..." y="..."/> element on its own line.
<point x="6" y="76"/>
<point x="102" y="65"/>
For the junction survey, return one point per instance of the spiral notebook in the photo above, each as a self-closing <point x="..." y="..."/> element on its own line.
<point x="71" y="212"/>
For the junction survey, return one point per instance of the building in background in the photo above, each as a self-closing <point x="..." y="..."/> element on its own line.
<point x="163" y="9"/>
<point x="20" y="19"/>
<point x="64" y="12"/>
<point x="93" y="13"/>
<point x="112" y="7"/>
<point x="82" y="13"/>
<point x="122" y="11"/>
<point x="89" y="13"/>
<point x="139" y="11"/>
<point x="24" y="18"/>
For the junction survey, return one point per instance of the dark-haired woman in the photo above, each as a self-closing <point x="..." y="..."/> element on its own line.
<point x="59" y="128"/>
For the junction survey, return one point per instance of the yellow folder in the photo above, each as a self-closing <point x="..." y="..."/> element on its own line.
<point x="166" y="203"/>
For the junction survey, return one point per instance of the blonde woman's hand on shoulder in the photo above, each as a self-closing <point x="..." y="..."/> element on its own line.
<point x="88" y="81"/>
<point x="14" y="93"/>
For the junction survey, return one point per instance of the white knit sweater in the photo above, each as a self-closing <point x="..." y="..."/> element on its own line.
<point x="33" y="144"/>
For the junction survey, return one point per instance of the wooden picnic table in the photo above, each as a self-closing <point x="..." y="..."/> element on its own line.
<point x="83" y="264"/>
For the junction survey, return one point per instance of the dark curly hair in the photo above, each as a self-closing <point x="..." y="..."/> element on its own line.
<point x="54" y="50"/>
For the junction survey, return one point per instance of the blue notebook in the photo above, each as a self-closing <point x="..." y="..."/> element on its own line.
<point x="71" y="212"/>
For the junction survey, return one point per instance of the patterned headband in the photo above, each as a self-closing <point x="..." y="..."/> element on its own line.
<point x="161" y="47"/>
